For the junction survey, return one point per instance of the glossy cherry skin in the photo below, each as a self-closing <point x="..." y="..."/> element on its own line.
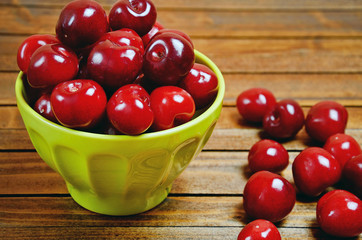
<point x="171" y="106"/>
<point x="52" y="64"/>
<point x="268" y="155"/>
<point x="129" y="110"/>
<point x="254" y="103"/>
<point x="352" y="175"/>
<point x="182" y="34"/>
<point x="259" y="229"/>
<point x="155" y="28"/>
<point x="28" y="47"/>
<point x="168" y="59"/>
<point x="124" y="37"/>
<point x="139" y="15"/>
<point x="114" y="66"/>
<point x="284" y="120"/>
<point x="343" y="147"/>
<point x="78" y="103"/>
<point x="44" y="108"/>
<point x="325" y="119"/>
<point x="201" y="82"/>
<point x="315" y="169"/>
<point x="339" y="214"/>
<point x="268" y="196"/>
<point x="81" y="23"/>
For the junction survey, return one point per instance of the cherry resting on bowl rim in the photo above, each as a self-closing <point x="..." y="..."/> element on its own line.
<point x="44" y="108"/>
<point x="78" y="103"/>
<point x="139" y="15"/>
<point x="259" y="229"/>
<point x="284" y="120"/>
<point x="325" y="119"/>
<point x="278" y="196"/>
<point x="254" y="103"/>
<point x="168" y="59"/>
<point x="268" y="155"/>
<point x="171" y="106"/>
<point x="342" y="147"/>
<point x="52" y="64"/>
<point x="315" y="169"/>
<point x="129" y="110"/>
<point x="81" y="23"/>
<point x="339" y="214"/>
<point x="202" y="84"/>
<point x="29" y="46"/>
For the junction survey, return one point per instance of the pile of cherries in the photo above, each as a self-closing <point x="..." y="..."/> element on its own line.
<point x="269" y="197"/>
<point x="121" y="73"/>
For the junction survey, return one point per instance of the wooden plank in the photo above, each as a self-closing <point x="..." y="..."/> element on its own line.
<point x="159" y="233"/>
<point x="307" y="89"/>
<point x="221" y="4"/>
<point x="254" y="55"/>
<point x="173" y="212"/>
<point x="26" y="173"/>
<point x="209" y="24"/>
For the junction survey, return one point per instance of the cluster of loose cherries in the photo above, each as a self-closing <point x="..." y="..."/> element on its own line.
<point x="121" y="73"/>
<point x="268" y="197"/>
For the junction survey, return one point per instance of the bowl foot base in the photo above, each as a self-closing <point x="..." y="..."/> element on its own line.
<point x="118" y="204"/>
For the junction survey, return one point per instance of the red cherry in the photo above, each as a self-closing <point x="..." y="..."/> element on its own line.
<point x="129" y="110"/>
<point x="52" y="64"/>
<point x="78" y="103"/>
<point x="254" y="103"/>
<point x="168" y="59"/>
<point x="343" y="147"/>
<point x="352" y="175"/>
<point x="182" y="34"/>
<point x="147" y="38"/>
<point x="29" y="46"/>
<point x="171" y="106"/>
<point x="124" y="37"/>
<point x="325" y="119"/>
<point x="284" y="120"/>
<point x="201" y="82"/>
<point x="315" y="169"/>
<point x="43" y="107"/>
<point x="259" y="230"/>
<point x="268" y="196"/>
<point x="339" y="214"/>
<point x="139" y="15"/>
<point x="114" y="66"/>
<point x="268" y="155"/>
<point x="81" y="23"/>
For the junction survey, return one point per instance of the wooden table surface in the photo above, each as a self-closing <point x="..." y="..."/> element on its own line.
<point x="306" y="50"/>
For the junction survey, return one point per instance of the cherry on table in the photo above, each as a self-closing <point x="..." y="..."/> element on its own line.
<point x="284" y="120"/>
<point x="352" y="175"/>
<point x="268" y="155"/>
<point x="254" y="103"/>
<point x="339" y="214"/>
<point x="278" y="196"/>
<point x="343" y="147"/>
<point x="259" y="229"/>
<point x="325" y="119"/>
<point x="315" y="169"/>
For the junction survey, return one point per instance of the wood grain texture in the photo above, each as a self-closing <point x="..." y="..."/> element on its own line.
<point x="159" y="233"/>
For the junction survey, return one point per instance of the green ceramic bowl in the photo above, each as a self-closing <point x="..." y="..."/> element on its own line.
<point x="118" y="174"/>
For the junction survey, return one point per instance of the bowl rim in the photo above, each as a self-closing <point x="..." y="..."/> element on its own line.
<point x="211" y="109"/>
